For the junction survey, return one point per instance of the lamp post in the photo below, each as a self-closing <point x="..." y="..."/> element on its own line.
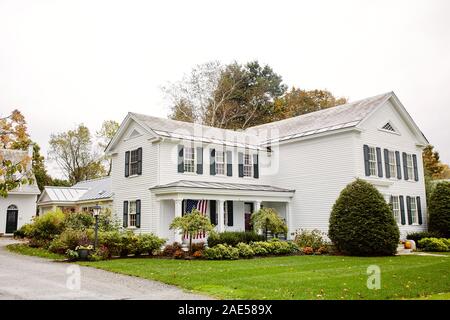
<point x="96" y="210"/>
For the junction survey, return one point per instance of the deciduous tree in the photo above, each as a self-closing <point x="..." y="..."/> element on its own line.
<point x="106" y="133"/>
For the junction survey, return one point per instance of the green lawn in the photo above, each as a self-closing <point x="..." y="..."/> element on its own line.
<point x="296" y="277"/>
<point x="23" y="248"/>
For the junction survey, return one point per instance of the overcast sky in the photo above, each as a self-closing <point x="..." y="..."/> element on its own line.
<point x="69" y="62"/>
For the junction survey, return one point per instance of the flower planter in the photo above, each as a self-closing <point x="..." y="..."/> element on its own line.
<point x="83" y="254"/>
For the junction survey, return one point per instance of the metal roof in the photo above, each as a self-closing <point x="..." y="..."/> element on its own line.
<point x="196" y="132"/>
<point x="221" y="185"/>
<point x="339" y="117"/>
<point x="97" y="189"/>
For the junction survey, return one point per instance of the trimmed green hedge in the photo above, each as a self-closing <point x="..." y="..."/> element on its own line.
<point x="233" y="238"/>
<point x="362" y="223"/>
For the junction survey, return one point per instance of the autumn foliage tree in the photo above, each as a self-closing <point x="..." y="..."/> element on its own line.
<point x="14" y="171"/>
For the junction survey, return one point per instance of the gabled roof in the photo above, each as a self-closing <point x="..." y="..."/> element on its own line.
<point x="349" y="115"/>
<point x="90" y="190"/>
<point x="221" y="185"/>
<point x="173" y="129"/>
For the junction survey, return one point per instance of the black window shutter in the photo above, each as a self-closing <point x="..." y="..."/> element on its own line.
<point x="416" y="173"/>
<point x="199" y="160"/>
<point x="402" y="209"/>
<point x="419" y="210"/>
<point x="180" y="158"/>
<point x="212" y="162"/>
<point x="386" y="162"/>
<point x="229" y="163"/>
<point x="408" y="209"/>
<point x="399" y="166"/>
<point x="212" y="212"/>
<point x="405" y="166"/>
<point x="241" y="164"/>
<point x="230" y="213"/>
<point x="391" y="202"/>
<point x="127" y="164"/>
<point x="255" y="166"/>
<point x="139" y="152"/>
<point x="125" y="214"/>
<point x="138" y="213"/>
<point x="380" y="163"/>
<point x="366" y="159"/>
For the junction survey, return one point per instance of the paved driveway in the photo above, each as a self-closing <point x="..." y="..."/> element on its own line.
<point x="24" y="277"/>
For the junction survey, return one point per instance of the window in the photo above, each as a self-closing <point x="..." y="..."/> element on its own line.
<point x="134" y="162"/>
<point x="189" y="159"/>
<point x="132" y="214"/>
<point x="409" y="165"/>
<point x="413" y="208"/>
<point x="392" y="164"/>
<point x="248" y="165"/>
<point x="220" y="162"/>
<point x="396" y="208"/>
<point x="372" y="161"/>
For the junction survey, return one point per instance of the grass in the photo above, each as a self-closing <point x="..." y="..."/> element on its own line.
<point x="25" y="249"/>
<point x="296" y="277"/>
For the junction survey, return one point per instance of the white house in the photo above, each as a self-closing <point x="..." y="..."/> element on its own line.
<point x="19" y="207"/>
<point x="298" y="166"/>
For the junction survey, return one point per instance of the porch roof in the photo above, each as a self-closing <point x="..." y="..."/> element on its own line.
<point x="221" y="186"/>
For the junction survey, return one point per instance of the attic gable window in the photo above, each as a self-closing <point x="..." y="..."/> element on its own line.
<point x="388" y="127"/>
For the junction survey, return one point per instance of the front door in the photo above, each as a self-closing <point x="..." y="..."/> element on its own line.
<point x="11" y="220"/>
<point x="248" y="210"/>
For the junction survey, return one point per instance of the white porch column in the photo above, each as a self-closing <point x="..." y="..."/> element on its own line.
<point x="178" y="208"/>
<point x="221" y="216"/>
<point x="257" y="206"/>
<point x="288" y="221"/>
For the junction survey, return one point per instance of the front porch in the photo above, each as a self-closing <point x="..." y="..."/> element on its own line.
<point x="229" y="206"/>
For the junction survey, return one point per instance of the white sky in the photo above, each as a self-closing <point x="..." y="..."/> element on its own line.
<point x="69" y="62"/>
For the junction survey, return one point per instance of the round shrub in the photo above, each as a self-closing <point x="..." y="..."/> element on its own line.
<point x="439" y="209"/>
<point x="310" y="238"/>
<point x="362" y="223"/>
<point x="245" y="250"/>
<point x="148" y="243"/>
<point x="79" y="220"/>
<point x="47" y="226"/>
<point x="222" y="251"/>
<point x="433" y="244"/>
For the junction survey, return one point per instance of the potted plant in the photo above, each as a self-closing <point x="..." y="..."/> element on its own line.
<point x="83" y="251"/>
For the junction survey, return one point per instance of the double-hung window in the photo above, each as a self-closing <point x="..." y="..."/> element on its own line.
<point x="373" y="161"/>
<point x="410" y="166"/>
<point x="396" y="208"/>
<point x="220" y="162"/>
<point x="189" y="159"/>
<point x="392" y="164"/>
<point x="248" y="165"/>
<point x="134" y="162"/>
<point x="132" y="214"/>
<point x="413" y="208"/>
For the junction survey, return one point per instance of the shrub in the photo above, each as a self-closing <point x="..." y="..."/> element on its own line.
<point x="433" y="244"/>
<point x="199" y="246"/>
<point x="362" y="223"/>
<point x="268" y="220"/>
<point x="314" y="239"/>
<point x="222" y="251"/>
<point x="278" y="247"/>
<point x="79" y="220"/>
<point x="70" y="239"/>
<point x="101" y="253"/>
<point x="323" y="250"/>
<point x="178" y="254"/>
<point x="245" y="250"/>
<point x="233" y="238"/>
<point x="127" y="243"/>
<point x="24" y="231"/>
<point x="417" y="236"/>
<point x="198" y="254"/>
<point x="72" y="255"/>
<point x="47" y="226"/>
<point x="439" y="209"/>
<point x="148" y="243"/>
<point x="308" y="250"/>
<point x="170" y="249"/>
<point x="260" y="248"/>
<point x="112" y="241"/>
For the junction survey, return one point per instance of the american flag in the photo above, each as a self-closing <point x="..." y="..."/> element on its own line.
<point x="200" y="205"/>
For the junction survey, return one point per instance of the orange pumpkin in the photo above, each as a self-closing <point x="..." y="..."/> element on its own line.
<point x="408" y="245"/>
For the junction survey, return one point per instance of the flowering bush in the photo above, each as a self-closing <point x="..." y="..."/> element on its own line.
<point x="308" y="250"/>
